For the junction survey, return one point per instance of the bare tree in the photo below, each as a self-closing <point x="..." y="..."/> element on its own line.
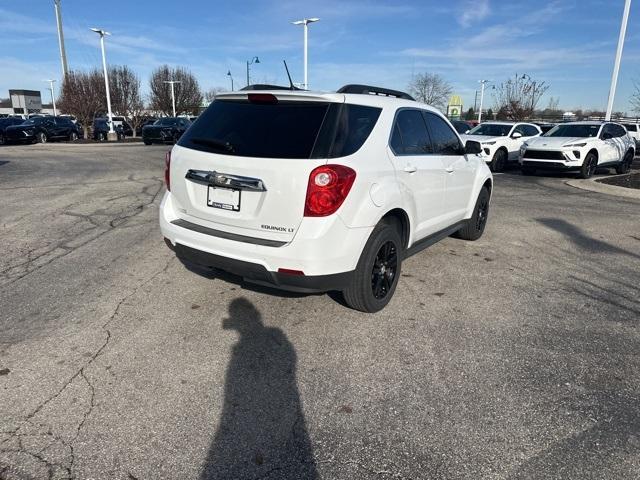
<point x="210" y="95"/>
<point x="432" y="89"/>
<point x="83" y="95"/>
<point x="518" y="96"/>
<point x="124" y="86"/>
<point x="187" y="93"/>
<point x="635" y="98"/>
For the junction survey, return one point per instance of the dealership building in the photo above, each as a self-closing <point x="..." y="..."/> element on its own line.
<point x="24" y="102"/>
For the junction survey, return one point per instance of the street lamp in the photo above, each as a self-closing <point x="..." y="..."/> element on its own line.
<point x="231" y="77"/>
<point x="616" y="65"/>
<point x="482" y="83"/>
<point x="112" y="134"/>
<point x="305" y="23"/>
<point x="253" y="60"/>
<point x="173" y="96"/>
<point x="53" y="98"/>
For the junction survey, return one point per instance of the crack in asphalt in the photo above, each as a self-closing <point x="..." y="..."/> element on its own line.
<point x="120" y="219"/>
<point x="79" y="373"/>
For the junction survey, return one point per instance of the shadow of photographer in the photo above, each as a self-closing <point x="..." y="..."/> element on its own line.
<point x="262" y="429"/>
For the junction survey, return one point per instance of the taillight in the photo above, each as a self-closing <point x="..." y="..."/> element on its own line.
<point x="328" y="187"/>
<point x="167" y="169"/>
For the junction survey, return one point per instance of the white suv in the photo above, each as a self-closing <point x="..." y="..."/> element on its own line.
<point x="316" y="192"/>
<point x="501" y="141"/>
<point x="579" y="146"/>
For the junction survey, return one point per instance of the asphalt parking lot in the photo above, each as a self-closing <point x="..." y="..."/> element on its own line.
<point x="515" y="356"/>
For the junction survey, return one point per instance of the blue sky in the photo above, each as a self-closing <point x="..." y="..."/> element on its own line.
<point x="570" y="44"/>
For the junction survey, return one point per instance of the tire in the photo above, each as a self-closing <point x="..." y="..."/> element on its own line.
<point x="2" y="141"/>
<point x="41" y="137"/>
<point x="528" y="171"/>
<point x="147" y="142"/>
<point x="474" y="228"/>
<point x="73" y="136"/>
<point x="625" y="165"/>
<point x="376" y="276"/>
<point x="589" y="166"/>
<point x="499" y="161"/>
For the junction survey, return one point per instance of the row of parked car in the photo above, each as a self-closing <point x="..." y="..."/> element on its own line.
<point x="576" y="146"/>
<point x="43" y="128"/>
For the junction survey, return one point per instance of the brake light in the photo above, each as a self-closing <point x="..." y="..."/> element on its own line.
<point x="167" y="169"/>
<point x="262" y="98"/>
<point x="327" y="189"/>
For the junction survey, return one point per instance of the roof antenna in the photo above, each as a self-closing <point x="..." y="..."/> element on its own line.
<point x="291" y="86"/>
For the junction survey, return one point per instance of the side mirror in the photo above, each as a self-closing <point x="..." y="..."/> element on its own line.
<point x="607" y="136"/>
<point x="471" y="147"/>
<point x="516" y="135"/>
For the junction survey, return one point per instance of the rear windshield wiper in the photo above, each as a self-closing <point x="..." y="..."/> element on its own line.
<point x="225" y="146"/>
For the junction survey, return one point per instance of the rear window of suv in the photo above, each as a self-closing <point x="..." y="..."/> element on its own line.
<point x="299" y="130"/>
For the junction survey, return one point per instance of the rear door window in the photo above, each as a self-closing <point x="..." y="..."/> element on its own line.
<point x="445" y="141"/>
<point x="410" y="135"/>
<point x="619" y="130"/>
<point x="529" y="131"/>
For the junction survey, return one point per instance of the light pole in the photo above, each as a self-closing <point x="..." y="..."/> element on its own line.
<point x="305" y="24"/>
<point x="173" y="96"/>
<point x="482" y="83"/>
<point x="63" y="54"/>
<point x="53" y="98"/>
<point x="231" y="77"/>
<point x="616" y="65"/>
<point x="112" y="134"/>
<point x="253" y="60"/>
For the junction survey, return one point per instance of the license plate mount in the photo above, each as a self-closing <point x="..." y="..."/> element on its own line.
<point x="223" y="198"/>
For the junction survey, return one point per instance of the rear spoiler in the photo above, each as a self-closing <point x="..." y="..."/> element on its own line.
<point x="286" y="94"/>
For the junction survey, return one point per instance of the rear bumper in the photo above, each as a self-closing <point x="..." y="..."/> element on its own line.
<point x="325" y="249"/>
<point x="258" y="274"/>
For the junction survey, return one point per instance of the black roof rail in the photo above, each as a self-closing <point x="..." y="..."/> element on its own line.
<point x="370" y="90"/>
<point x="264" y="86"/>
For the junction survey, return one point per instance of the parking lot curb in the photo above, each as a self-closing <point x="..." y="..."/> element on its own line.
<point x="593" y="185"/>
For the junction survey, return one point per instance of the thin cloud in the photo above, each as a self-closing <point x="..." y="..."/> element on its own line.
<point x="473" y="11"/>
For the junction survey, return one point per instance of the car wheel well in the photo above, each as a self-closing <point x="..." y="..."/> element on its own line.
<point x="594" y="151"/>
<point x="402" y="219"/>
<point x="488" y="184"/>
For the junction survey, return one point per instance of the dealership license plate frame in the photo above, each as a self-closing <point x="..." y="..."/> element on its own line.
<point x="228" y="199"/>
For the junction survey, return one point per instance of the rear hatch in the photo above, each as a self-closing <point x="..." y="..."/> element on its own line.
<point x="244" y="165"/>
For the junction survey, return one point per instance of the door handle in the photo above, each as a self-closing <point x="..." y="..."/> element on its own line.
<point x="449" y="169"/>
<point x="410" y="169"/>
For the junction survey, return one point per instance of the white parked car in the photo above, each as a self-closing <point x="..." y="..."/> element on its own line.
<point x="316" y="192"/>
<point x="501" y="141"/>
<point x="579" y="146"/>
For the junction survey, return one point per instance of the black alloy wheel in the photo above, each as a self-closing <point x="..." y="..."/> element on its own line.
<point x="483" y="213"/>
<point x="625" y="165"/>
<point x="499" y="161"/>
<point x="589" y="166"/>
<point x="385" y="266"/>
